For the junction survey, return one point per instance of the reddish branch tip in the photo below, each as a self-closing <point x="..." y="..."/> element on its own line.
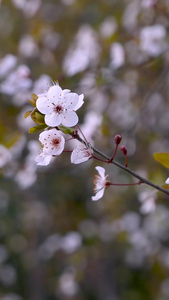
<point x="118" y="139"/>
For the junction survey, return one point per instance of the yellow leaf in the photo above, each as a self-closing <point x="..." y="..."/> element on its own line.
<point x="162" y="158"/>
<point x="165" y="186"/>
<point x="27" y="114"/>
<point x="34" y="97"/>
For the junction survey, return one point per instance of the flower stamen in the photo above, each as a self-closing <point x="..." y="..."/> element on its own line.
<point x="58" y="109"/>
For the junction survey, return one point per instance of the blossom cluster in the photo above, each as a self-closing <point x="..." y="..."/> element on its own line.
<point x="55" y="111"/>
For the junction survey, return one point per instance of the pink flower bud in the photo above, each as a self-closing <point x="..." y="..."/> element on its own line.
<point x="123" y="150"/>
<point x="118" y="139"/>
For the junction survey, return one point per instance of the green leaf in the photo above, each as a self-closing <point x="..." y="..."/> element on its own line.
<point x="162" y="158"/>
<point x="39" y="118"/>
<point x="66" y="130"/>
<point x="37" y="128"/>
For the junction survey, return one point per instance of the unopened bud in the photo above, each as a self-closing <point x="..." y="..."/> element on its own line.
<point x="123" y="150"/>
<point x="118" y="139"/>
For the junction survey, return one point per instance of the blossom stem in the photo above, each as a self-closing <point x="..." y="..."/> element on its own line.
<point x="77" y="126"/>
<point x="115" y="151"/>
<point x="125" y="184"/>
<point x="126" y="169"/>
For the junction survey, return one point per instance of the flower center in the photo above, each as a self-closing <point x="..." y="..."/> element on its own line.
<point x="55" y="142"/>
<point x="58" y="108"/>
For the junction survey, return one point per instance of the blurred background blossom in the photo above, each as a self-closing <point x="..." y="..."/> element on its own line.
<point x="55" y="243"/>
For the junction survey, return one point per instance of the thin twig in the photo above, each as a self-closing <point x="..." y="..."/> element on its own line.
<point x="142" y="179"/>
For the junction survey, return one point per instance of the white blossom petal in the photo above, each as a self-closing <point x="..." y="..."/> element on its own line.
<point x="54" y="93"/>
<point x="80" y="102"/>
<point x="43" y="159"/>
<point x="167" y="181"/>
<point x="101" y="171"/>
<point x="65" y="92"/>
<point x="100" y="183"/>
<point x="44" y="105"/>
<point x="70" y="118"/>
<point x="81" y="154"/>
<point x="98" y="195"/>
<point x="53" y="119"/>
<point x="78" y="158"/>
<point x="42" y="95"/>
<point x="71" y="100"/>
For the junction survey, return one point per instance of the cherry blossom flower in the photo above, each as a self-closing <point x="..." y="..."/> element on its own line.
<point x="53" y="142"/>
<point x="152" y="39"/>
<point x="43" y="159"/>
<point x="100" y="183"/>
<point x="59" y="106"/>
<point x="81" y="154"/>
